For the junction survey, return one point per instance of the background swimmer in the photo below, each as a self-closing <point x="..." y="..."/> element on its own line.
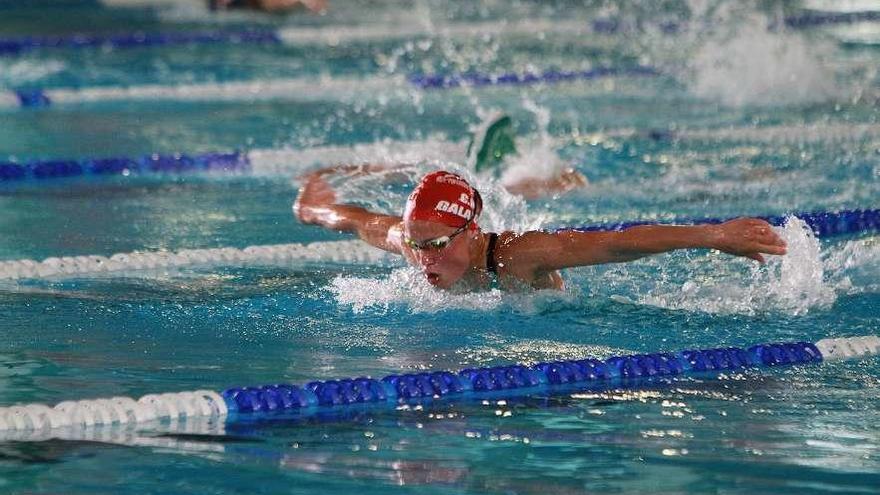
<point x="493" y="141"/>
<point x="276" y="6"/>
<point x="438" y="234"/>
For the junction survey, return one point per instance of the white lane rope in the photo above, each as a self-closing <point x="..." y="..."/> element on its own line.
<point x="329" y="251"/>
<point x="849" y="348"/>
<point x="131" y="434"/>
<point x="299" y="89"/>
<point x="113" y="411"/>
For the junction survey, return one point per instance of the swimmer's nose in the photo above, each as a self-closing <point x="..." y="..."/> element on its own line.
<point x="428" y="257"/>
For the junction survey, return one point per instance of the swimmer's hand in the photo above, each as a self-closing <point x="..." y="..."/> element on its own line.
<point x="314" y="194"/>
<point x="534" y="188"/>
<point x="275" y="6"/>
<point x="747" y="237"/>
<point x="317" y="204"/>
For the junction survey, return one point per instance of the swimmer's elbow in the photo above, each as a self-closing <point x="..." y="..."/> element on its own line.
<point x="300" y="212"/>
<point x="306" y="213"/>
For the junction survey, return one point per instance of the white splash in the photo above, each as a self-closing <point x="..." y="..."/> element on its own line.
<point x="757" y="66"/>
<point x="407" y="287"/>
<point x="855" y="267"/>
<point x="535" y="158"/>
<point x="14" y="73"/>
<point x="795" y="283"/>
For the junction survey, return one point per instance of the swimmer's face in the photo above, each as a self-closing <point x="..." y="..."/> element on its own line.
<point x="441" y="267"/>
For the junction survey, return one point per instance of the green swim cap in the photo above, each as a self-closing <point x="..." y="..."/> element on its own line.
<point x="491" y="142"/>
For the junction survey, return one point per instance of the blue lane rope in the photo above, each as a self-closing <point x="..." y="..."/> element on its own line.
<point x="17" y="45"/>
<point x="497" y="382"/>
<point x="167" y="164"/>
<point x="823" y="223"/>
<point x="513" y="79"/>
<point x="813" y="19"/>
<point x="32" y="98"/>
<point x="514" y="380"/>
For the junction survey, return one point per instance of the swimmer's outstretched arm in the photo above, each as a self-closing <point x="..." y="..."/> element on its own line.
<point x="545" y="251"/>
<point x="316" y="204"/>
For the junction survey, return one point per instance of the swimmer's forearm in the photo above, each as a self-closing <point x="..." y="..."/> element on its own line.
<point x="565" y="249"/>
<point x="351" y="170"/>
<point x="645" y="240"/>
<point x="343" y="218"/>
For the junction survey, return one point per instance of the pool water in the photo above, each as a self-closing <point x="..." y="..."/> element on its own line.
<point x="744" y="118"/>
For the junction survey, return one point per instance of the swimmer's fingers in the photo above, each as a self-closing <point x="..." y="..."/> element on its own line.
<point x="765" y="234"/>
<point x="757" y="257"/>
<point x="769" y="242"/>
<point x="749" y="237"/>
<point x="776" y="249"/>
<point x="573" y="178"/>
<point x="766" y="246"/>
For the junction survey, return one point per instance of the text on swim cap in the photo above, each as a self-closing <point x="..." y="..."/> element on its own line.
<point x="457" y="209"/>
<point x="452" y="179"/>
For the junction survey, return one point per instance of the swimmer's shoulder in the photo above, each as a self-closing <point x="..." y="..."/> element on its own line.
<point x="519" y="254"/>
<point x="394" y="236"/>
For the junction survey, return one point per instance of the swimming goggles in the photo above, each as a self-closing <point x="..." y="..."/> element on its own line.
<point x="437" y="243"/>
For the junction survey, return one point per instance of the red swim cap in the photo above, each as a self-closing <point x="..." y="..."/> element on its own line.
<point x="443" y="197"/>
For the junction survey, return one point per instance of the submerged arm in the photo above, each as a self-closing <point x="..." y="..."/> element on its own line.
<point x="316" y="204"/>
<point x="545" y="251"/>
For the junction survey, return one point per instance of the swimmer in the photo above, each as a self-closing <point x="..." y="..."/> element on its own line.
<point x="493" y="141"/>
<point x="275" y="6"/>
<point x="438" y="233"/>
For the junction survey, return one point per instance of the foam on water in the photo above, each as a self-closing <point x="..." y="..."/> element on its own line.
<point x="408" y="288"/>
<point x="15" y="73"/>
<point x="799" y="282"/>
<point x="757" y="66"/>
<point x="535" y="158"/>
<point x="855" y="266"/>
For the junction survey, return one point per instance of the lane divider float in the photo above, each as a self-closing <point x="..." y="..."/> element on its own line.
<point x="822" y="223"/>
<point x="268" y="162"/>
<point x="305" y="89"/>
<point x="257" y="162"/>
<point x="498" y="382"/>
<point x="328" y="251"/>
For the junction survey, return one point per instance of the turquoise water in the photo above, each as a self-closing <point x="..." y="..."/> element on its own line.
<point x="766" y="122"/>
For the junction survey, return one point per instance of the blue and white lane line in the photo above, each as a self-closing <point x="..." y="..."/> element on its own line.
<point x="307" y="89"/>
<point x="498" y="382"/>
<point x="258" y="162"/>
<point x="335" y="35"/>
<point x="288" y="162"/>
